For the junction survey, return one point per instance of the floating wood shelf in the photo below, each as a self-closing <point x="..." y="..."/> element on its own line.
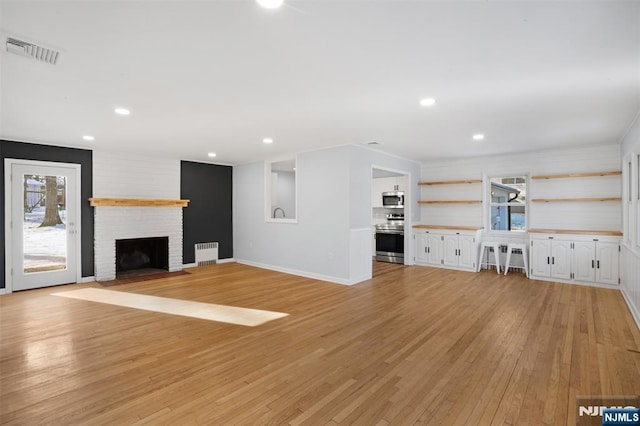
<point x="575" y="231"/>
<point x="451" y="202"/>
<point x="450" y="182"/>
<point x="577" y="175"/>
<point x="576" y="200"/>
<point x="462" y="228"/>
<point x="136" y="202"/>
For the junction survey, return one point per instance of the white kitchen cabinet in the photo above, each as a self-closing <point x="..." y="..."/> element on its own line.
<point x="422" y="247"/>
<point x="449" y="248"/>
<point x="579" y="258"/>
<point x="551" y="258"/>
<point x="467" y="252"/>
<point x="460" y="251"/>
<point x="429" y="248"/>
<point x="584" y="262"/>
<point x="607" y="262"/>
<point x="596" y="261"/>
<point x="434" y="249"/>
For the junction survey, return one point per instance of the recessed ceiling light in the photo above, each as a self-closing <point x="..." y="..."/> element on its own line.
<point x="478" y="137"/>
<point x="267" y="140"/>
<point x="373" y="143"/>
<point x="212" y="154"/>
<point x="122" y="111"/>
<point x="270" y="4"/>
<point x="88" y="138"/>
<point x="427" y="102"/>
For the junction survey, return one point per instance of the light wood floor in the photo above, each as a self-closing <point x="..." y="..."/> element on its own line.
<point x="413" y="345"/>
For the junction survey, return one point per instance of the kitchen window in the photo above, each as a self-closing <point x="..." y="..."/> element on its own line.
<point x="281" y="201"/>
<point x="508" y="203"/>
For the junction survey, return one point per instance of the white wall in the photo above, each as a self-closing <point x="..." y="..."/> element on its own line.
<point x="134" y="176"/>
<point x="318" y="244"/>
<point x="589" y="216"/>
<point x="334" y="209"/>
<point x="630" y="256"/>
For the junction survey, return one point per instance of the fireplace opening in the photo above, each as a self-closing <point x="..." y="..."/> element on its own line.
<point x="141" y="256"/>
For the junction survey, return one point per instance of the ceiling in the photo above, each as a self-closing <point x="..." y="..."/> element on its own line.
<point x="219" y="76"/>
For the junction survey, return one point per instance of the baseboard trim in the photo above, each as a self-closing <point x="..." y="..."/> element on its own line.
<point x="189" y="265"/>
<point x="3" y="291"/>
<point x="634" y="312"/>
<point x="305" y="274"/>
<point x="90" y="279"/>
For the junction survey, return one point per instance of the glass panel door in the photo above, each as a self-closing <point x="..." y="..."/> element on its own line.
<point x="43" y="225"/>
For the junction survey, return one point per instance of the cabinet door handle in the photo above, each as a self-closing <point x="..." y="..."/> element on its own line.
<point x="428" y="249"/>
<point x="548" y="262"/>
<point x="592" y="264"/>
<point x="553" y="260"/>
<point x="598" y="264"/>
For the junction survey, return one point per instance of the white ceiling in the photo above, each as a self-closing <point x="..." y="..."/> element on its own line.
<point x="219" y="76"/>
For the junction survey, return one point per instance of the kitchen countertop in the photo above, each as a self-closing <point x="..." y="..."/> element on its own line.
<point x="464" y="228"/>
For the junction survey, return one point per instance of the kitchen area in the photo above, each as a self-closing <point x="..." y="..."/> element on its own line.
<point x="387" y="217"/>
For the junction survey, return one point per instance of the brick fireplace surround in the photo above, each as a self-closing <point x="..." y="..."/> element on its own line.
<point x="115" y="222"/>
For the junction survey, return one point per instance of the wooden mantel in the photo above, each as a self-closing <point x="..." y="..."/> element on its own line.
<point x="137" y="202"/>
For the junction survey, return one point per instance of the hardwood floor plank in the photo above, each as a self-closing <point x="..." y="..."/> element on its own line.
<point x="414" y="345"/>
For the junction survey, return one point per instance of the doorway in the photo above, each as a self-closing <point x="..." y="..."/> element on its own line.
<point x="42" y="224"/>
<point x="391" y="199"/>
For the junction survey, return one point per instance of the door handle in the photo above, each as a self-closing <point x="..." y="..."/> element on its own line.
<point x="592" y="264"/>
<point x="553" y="260"/>
<point x="548" y="262"/>
<point x="598" y="264"/>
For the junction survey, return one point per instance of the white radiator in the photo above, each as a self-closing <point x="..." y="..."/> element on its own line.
<point x="206" y="253"/>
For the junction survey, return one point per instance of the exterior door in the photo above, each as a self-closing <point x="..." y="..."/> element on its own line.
<point x="43" y="224"/>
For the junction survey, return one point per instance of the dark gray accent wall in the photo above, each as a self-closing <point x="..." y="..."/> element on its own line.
<point x="29" y="151"/>
<point x="209" y="214"/>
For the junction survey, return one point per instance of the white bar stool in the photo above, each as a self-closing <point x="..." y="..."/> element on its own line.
<point x="523" y="248"/>
<point x="496" y="254"/>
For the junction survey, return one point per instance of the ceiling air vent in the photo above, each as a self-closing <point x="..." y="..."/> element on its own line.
<point x="31" y="50"/>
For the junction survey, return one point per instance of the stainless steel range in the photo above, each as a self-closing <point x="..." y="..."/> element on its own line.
<point x="390" y="239"/>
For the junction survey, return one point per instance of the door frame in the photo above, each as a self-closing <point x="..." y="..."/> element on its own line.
<point x="8" y="233"/>
<point x="408" y="235"/>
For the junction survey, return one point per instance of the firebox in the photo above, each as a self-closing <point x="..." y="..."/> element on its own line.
<point x="143" y="255"/>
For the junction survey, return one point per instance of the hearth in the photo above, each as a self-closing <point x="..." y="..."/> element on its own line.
<point x="142" y="255"/>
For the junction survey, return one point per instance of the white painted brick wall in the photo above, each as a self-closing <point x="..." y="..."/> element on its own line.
<point x="114" y="223"/>
<point x="134" y="176"/>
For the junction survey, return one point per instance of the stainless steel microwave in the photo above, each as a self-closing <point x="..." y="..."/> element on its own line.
<point x="393" y="199"/>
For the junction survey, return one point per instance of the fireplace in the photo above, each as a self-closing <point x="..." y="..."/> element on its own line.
<point x="113" y="223"/>
<point x="142" y="255"/>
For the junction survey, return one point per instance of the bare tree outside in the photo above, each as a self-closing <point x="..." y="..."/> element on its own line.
<point x="51" y="215"/>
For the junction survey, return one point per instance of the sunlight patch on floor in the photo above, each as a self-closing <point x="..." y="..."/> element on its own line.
<point x="208" y="311"/>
